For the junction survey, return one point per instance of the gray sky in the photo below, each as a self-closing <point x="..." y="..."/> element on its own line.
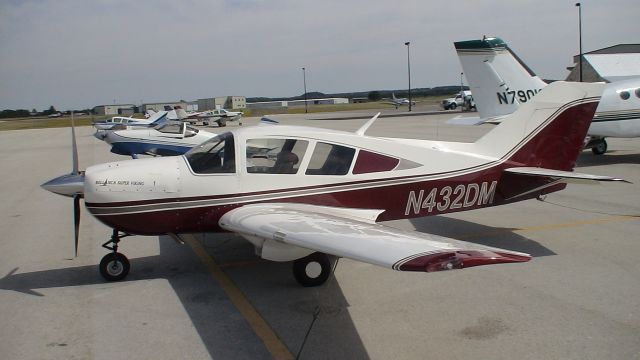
<point x="78" y="54"/>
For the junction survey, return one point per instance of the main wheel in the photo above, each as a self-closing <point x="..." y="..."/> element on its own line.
<point x="453" y="106"/>
<point x="114" y="267"/>
<point x="312" y="270"/>
<point x="600" y="148"/>
<point x="222" y="122"/>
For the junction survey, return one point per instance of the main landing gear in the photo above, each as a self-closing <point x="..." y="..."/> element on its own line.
<point x="597" y="144"/>
<point x="312" y="270"/>
<point x="114" y="266"/>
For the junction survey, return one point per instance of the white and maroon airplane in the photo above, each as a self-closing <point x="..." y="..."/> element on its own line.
<point x="318" y="192"/>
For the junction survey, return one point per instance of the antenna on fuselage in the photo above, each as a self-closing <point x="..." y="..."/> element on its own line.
<point x="366" y="126"/>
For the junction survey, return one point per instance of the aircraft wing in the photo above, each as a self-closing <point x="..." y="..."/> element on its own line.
<point x="353" y="233"/>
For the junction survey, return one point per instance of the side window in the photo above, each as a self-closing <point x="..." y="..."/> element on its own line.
<point x="275" y="156"/>
<point x="330" y="159"/>
<point x="369" y="162"/>
<point x="190" y="131"/>
<point x="214" y="156"/>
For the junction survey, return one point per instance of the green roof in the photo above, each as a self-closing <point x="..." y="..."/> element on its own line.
<point x="486" y="43"/>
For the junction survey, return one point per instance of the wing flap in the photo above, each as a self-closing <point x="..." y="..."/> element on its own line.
<point x="329" y="230"/>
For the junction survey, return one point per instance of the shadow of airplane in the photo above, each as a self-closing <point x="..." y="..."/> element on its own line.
<point x="588" y="159"/>
<point x="503" y="238"/>
<point x="269" y="286"/>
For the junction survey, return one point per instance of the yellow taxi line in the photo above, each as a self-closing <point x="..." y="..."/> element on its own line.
<point x="271" y="341"/>
<point x="554" y="226"/>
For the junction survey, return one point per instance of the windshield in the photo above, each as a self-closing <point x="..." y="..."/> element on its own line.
<point x="214" y="156"/>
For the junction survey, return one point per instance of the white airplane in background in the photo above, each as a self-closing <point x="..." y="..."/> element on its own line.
<point x="123" y="122"/>
<point x="397" y="102"/>
<point x="501" y="82"/>
<point x="219" y="116"/>
<point x="324" y="191"/>
<point x="167" y="139"/>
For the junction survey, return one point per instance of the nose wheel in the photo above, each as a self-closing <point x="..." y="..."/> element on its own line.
<point x="114" y="266"/>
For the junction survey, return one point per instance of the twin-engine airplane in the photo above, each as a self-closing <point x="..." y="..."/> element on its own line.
<point x="501" y="82"/>
<point x="324" y="191"/>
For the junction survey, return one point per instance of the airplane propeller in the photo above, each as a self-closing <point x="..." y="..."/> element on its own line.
<point x="76" y="197"/>
<point x="71" y="185"/>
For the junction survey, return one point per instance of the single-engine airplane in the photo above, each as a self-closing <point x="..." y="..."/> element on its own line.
<point x="167" y="139"/>
<point x="397" y="102"/>
<point x="501" y="82"/>
<point x="324" y="191"/>
<point x="123" y="122"/>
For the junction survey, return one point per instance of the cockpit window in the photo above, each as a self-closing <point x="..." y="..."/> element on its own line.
<point x="190" y="131"/>
<point x="275" y="156"/>
<point x="330" y="159"/>
<point x="170" y="128"/>
<point x="214" y="156"/>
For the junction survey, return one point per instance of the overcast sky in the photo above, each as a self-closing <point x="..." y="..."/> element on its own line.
<point x="78" y="54"/>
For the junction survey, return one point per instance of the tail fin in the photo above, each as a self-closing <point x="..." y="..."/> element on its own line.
<point x="546" y="132"/>
<point x="180" y="113"/>
<point x="498" y="79"/>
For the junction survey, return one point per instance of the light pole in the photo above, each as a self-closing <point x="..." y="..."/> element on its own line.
<point x="304" y="80"/>
<point x="580" y="35"/>
<point x="409" y="72"/>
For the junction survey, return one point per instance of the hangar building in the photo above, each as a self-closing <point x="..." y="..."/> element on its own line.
<point x="225" y="102"/>
<point x="609" y="64"/>
<point x="115" y="109"/>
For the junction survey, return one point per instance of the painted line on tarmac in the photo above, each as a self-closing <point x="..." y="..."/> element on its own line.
<point x="270" y="339"/>
<point x="605" y="220"/>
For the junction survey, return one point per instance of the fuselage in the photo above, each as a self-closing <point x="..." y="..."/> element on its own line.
<point x="405" y="178"/>
<point x="618" y="114"/>
<point x="166" y="140"/>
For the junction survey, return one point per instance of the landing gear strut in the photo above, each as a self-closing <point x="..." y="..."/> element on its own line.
<point x="312" y="270"/>
<point x="114" y="266"/>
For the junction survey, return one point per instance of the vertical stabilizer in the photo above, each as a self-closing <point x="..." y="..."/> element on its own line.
<point x="498" y="79"/>
<point x="546" y="132"/>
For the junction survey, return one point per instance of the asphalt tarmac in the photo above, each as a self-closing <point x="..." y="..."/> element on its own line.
<point x="578" y="298"/>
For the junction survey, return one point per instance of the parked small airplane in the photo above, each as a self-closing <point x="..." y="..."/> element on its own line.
<point x="166" y="139"/>
<point x="219" y="116"/>
<point x="123" y="122"/>
<point x="324" y="191"/>
<point x="501" y="82"/>
<point x="223" y="116"/>
<point x="397" y="102"/>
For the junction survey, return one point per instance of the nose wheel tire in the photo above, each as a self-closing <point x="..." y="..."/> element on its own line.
<point x="114" y="266"/>
<point x="312" y="270"/>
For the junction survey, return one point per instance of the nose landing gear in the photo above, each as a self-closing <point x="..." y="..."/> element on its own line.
<point x="114" y="266"/>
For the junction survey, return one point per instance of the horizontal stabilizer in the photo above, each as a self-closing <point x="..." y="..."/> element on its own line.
<point x="567" y="176"/>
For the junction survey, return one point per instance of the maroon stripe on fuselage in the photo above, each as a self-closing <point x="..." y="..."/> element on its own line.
<point x="393" y="199"/>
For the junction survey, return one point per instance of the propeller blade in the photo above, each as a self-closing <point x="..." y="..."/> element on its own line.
<point x="74" y="146"/>
<point x="76" y="220"/>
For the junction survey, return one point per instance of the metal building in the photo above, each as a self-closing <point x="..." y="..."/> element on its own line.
<point x="609" y="64"/>
<point x="115" y="109"/>
<point x="225" y="102"/>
